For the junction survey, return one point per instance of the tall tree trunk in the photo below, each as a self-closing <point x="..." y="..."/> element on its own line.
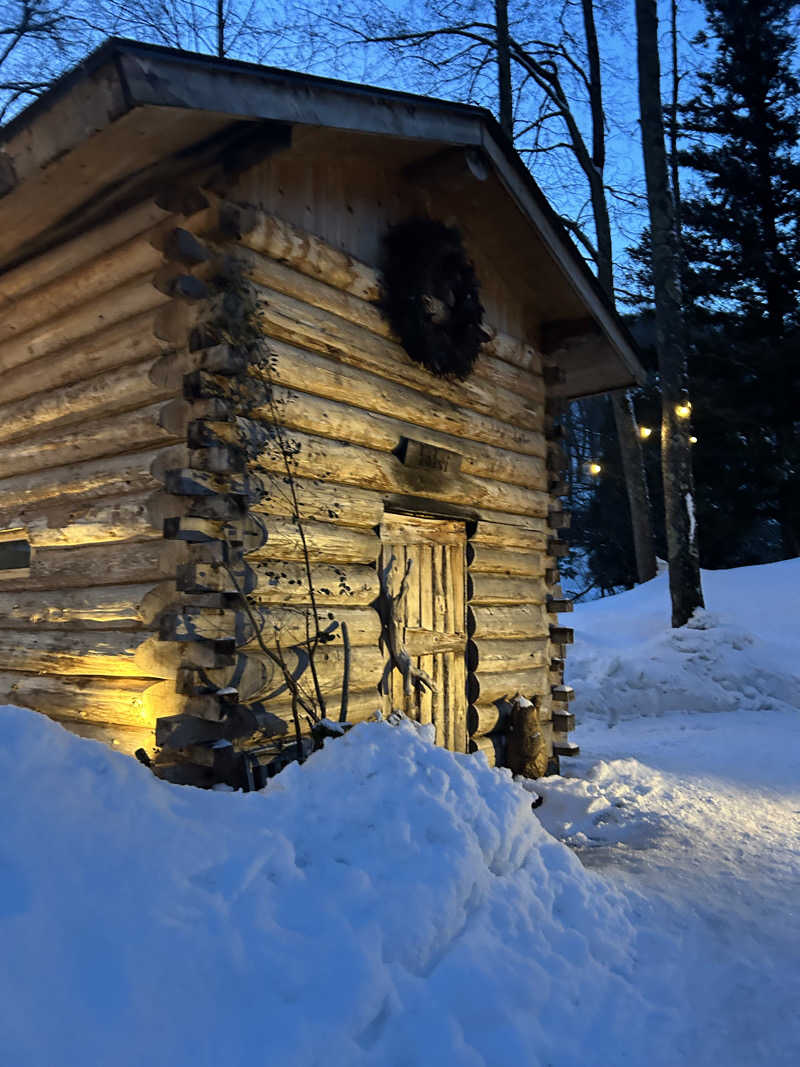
<point x="221" y="28"/>
<point x="684" y="568"/>
<point x="630" y="444"/>
<point x="675" y="84"/>
<point x="504" y="68"/>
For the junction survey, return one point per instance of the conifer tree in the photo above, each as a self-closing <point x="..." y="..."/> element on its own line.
<point x="740" y="231"/>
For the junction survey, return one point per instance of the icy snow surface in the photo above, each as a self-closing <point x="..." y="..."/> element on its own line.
<point x="390" y="903"/>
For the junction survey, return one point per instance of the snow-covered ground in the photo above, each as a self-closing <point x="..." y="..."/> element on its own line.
<point x="392" y="904"/>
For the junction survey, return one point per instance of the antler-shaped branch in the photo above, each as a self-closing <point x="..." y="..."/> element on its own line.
<point x="392" y="634"/>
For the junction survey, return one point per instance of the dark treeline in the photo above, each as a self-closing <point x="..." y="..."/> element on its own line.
<point x="739" y="207"/>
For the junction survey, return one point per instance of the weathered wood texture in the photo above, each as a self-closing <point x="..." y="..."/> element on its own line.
<point x="128" y="412"/>
<point x="83" y="454"/>
<point x="432" y="554"/>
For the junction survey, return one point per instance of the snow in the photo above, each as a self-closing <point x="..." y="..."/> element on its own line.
<point x="390" y="903"/>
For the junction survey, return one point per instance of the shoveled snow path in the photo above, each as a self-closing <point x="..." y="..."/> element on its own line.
<point x="705" y="823"/>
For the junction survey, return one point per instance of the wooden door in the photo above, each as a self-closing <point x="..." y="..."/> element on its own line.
<point x="433" y="613"/>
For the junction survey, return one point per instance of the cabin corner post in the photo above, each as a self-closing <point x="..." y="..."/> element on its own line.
<point x="270" y="588"/>
<point x="560" y="636"/>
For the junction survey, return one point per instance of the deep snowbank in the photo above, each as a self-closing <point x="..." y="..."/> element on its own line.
<point x="742" y="652"/>
<point x="388" y="903"/>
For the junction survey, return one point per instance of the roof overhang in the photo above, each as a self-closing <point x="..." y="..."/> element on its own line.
<point x="133" y="112"/>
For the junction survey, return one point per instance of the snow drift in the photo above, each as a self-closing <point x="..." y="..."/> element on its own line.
<point x="740" y="653"/>
<point x="387" y="903"/>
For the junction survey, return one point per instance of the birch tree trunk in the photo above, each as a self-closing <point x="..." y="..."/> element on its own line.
<point x="679" y="513"/>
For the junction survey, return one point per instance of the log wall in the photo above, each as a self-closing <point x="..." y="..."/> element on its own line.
<point x="156" y="459"/>
<point x="83" y="455"/>
<point x="345" y="395"/>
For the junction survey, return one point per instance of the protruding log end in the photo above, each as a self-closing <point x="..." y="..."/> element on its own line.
<point x="556" y="605"/>
<point x="562" y="694"/>
<point x="566" y="748"/>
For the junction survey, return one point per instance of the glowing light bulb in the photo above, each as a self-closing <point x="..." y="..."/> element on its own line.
<point x="692" y="440"/>
<point x="683" y="411"/>
<point x="594" y="468"/>
<point x="645" y="431"/>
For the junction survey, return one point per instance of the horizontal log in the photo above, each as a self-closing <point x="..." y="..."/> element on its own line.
<point x="288" y="625"/>
<point x="85" y="282"/>
<point x="564" y="747"/>
<point x="273" y="277"/>
<point x="330" y="460"/>
<point x="557" y="549"/>
<point x="131" y="298"/>
<point x="129" y="341"/>
<point x="514" y="351"/>
<point x="181" y="246"/>
<point x="309" y="254"/>
<point x="490" y="657"/>
<point x="110" y="607"/>
<point x="127" y="431"/>
<point x="532" y="538"/>
<point x="286" y="319"/>
<point x="562" y="694"/>
<point x="492" y="747"/>
<point x="559" y="520"/>
<point x="324" y="543"/>
<point x="110" y="476"/>
<point x="295" y="368"/>
<point x="114" y="391"/>
<point x="257" y="677"/>
<point x="507" y="623"/>
<point x="66" y="257"/>
<point x="343" y="421"/>
<point x="486" y="589"/>
<point x="483" y="719"/>
<point x="169" y="371"/>
<point x="486" y="688"/>
<point x="96" y="565"/>
<point x="556" y="605"/>
<point x="286" y="583"/>
<point x="563" y="721"/>
<point x="102" y="653"/>
<point x="299" y="249"/>
<point x="100" y="700"/>
<point x="54" y="524"/>
<point x="483" y="559"/>
<point x="323" y="501"/>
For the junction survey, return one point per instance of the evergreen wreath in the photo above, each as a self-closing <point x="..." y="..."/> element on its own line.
<point x="431" y="297"/>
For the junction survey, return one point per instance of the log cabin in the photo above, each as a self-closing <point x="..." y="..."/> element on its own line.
<point x="219" y="444"/>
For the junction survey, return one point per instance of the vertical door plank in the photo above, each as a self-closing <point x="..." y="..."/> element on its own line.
<point x="458" y="570"/>
<point x="426" y="622"/>
<point x="439" y="677"/>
